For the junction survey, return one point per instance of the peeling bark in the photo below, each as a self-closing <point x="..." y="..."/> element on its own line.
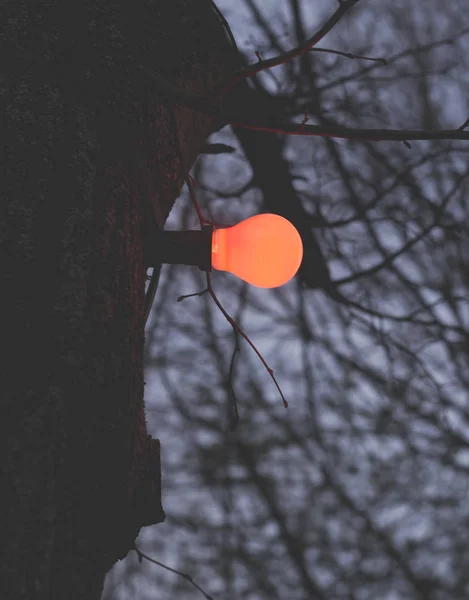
<point x="86" y="141"/>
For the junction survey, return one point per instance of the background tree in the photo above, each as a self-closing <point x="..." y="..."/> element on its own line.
<point x="359" y="490"/>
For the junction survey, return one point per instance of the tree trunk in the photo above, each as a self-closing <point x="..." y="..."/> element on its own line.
<point x="88" y="145"/>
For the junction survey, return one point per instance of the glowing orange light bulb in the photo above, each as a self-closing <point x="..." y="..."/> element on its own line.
<point x="264" y="250"/>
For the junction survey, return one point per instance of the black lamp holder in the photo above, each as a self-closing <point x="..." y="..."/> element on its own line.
<point x="191" y="247"/>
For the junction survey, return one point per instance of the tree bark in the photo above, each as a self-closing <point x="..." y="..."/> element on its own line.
<point x="89" y="154"/>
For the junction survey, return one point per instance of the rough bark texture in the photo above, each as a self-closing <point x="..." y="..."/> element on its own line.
<point x="86" y="139"/>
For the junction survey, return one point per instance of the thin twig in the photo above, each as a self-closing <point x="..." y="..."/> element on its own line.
<point x="185" y="576"/>
<point x="349" y="55"/>
<point x="237" y="328"/>
<point x="184" y="296"/>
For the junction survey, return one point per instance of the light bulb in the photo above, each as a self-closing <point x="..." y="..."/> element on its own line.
<point x="264" y="250"/>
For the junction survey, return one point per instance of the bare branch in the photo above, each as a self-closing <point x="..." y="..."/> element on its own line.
<point x="349" y="55"/>
<point x="241" y="119"/>
<point x="355" y="133"/>
<point x="262" y="65"/>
